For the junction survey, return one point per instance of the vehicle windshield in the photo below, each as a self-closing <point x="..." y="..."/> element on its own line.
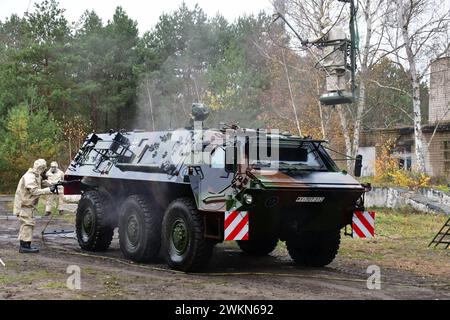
<point x="287" y="157"/>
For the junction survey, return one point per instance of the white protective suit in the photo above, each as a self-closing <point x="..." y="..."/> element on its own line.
<point x="26" y="199"/>
<point x="55" y="175"/>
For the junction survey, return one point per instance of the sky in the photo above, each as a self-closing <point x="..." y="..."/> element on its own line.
<point x="146" y="13"/>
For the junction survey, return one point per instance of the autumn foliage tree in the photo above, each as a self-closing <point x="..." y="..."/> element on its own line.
<point x="75" y="131"/>
<point x="27" y="137"/>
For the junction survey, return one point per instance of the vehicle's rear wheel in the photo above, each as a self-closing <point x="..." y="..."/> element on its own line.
<point x="259" y="246"/>
<point x="94" y="227"/>
<point x="140" y="229"/>
<point x="184" y="245"/>
<point x="314" y="249"/>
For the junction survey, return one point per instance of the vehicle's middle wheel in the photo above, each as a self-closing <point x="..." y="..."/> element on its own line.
<point x="184" y="245"/>
<point x="140" y="229"/>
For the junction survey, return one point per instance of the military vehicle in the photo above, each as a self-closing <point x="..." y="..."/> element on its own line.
<point x="179" y="193"/>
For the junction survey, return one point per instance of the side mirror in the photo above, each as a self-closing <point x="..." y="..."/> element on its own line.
<point x="230" y="159"/>
<point x="358" y="165"/>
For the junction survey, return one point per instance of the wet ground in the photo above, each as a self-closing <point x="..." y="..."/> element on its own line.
<point x="231" y="274"/>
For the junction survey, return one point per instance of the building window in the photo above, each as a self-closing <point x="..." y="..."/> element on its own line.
<point x="446" y="150"/>
<point x="447" y="167"/>
<point x="405" y="163"/>
<point x="403" y="154"/>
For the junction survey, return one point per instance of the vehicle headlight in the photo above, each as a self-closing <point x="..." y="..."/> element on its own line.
<point x="248" y="199"/>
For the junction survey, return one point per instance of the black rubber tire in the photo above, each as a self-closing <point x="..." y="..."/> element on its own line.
<point x="259" y="247"/>
<point x="314" y="249"/>
<point x="139" y="213"/>
<point x="198" y="249"/>
<point x="100" y="233"/>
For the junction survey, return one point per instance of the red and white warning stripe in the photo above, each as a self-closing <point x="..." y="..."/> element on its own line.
<point x="236" y="226"/>
<point x="363" y="224"/>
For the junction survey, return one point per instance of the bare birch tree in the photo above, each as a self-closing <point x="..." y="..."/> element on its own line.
<point x="422" y="35"/>
<point x="372" y="16"/>
<point x="307" y="15"/>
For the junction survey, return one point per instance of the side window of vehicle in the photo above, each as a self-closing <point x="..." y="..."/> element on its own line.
<point x="218" y="158"/>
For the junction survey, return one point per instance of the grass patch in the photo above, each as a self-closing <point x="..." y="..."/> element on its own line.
<point x="9" y="206"/>
<point x="24" y="278"/>
<point x="89" y="270"/>
<point x="54" y="285"/>
<point x="41" y="207"/>
<point x="67" y="217"/>
<point x="442" y="188"/>
<point x="402" y="242"/>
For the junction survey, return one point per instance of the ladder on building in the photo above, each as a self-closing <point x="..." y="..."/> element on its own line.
<point x="443" y="236"/>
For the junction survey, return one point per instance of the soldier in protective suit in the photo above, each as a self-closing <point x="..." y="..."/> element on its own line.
<point x="54" y="175"/>
<point x="26" y="199"/>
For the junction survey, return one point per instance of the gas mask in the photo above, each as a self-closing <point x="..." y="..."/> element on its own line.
<point x="40" y="166"/>
<point x="54" y="167"/>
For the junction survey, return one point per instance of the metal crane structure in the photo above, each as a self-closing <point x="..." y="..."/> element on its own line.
<point x="336" y="47"/>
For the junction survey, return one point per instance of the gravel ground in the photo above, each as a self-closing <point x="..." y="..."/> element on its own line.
<point x="231" y="275"/>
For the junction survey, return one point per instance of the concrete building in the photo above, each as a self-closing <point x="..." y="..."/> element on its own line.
<point x="437" y="131"/>
<point x="440" y="91"/>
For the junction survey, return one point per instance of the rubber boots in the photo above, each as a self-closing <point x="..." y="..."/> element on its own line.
<point x="25" y="247"/>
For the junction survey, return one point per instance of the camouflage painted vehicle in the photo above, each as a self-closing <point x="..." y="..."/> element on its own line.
<point x="165" y="201"/>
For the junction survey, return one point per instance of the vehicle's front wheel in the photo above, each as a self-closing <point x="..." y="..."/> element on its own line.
<point x="140" y="229"/>
<point x="184" y="245"/>
<point x="94" y="226"/>
<point x="259" y="247"/>
<point x="314" y="249"/>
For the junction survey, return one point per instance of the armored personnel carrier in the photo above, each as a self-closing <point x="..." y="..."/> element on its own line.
<point x="179" y="193"/>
